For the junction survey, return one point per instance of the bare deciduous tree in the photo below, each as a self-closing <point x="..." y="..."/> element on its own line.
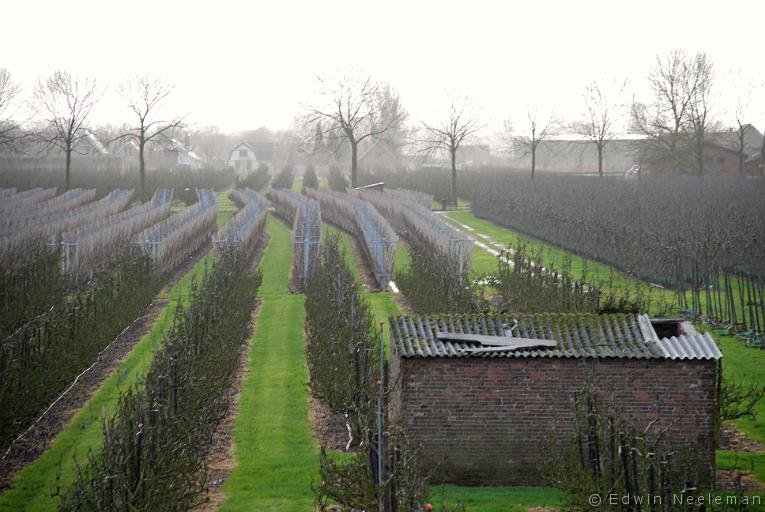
<point x="604" y="111"/>
<point x="747" y="89"/>
<point x="449" y="134"/>
<point x="538" y="130"/>
<point x="65" y="102"/>
<point x="675" y="81"/>
<point x="144" y="96"/>
<point x="700" y="120"/>
<point x="352" y="107"/>
<point x="8" y="93"/>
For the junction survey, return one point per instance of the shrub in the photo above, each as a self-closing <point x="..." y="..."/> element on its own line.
<point x="285" y="178"/>
<point x="310" y="180"/>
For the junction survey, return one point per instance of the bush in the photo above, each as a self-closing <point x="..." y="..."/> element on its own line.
<point x="153" y="455"/>
<point x="310" y="180"/>
<point x="257" y="180"/>
<point x="40" y="359"/>
<point x="285" y="178"/>
<point x="336" y="179"/>
<point x="340" y="345"/>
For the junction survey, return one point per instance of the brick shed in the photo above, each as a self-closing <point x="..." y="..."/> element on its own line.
<point x="483" y="411"/>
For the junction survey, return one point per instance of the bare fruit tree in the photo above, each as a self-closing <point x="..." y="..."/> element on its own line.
<point x="145" y="96"/>
<point x="9" y="91"/>
<point x="677" y="81"/>
<point x="64" y="102"/>
<point x="604" y="111"/>
<point x="449" y="134"/>
<point x="538" y="129"/>
<point x="352" y="107"/>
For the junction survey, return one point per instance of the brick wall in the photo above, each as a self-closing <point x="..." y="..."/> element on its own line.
<point x="484" y="420"/>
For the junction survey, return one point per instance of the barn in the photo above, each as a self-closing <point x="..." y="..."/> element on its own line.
<point x="482" y="394"/>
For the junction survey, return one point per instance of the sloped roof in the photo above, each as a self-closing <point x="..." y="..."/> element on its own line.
<point x="574" y="336"/>
<point x="264" y="151"/>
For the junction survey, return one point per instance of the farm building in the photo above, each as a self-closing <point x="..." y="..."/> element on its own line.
<point x="247" y="156"/>
<point x="482" y="394"/>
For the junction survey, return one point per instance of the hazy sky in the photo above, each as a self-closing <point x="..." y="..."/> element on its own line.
<point x="241" y="65"/>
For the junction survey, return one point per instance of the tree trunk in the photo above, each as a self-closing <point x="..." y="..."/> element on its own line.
<point x="354" y="163"/>
<point x="600" y="160"/>
<point x="454" y="176"/>
<point x="68" y="165"/>
<point x="533" y="161"/>
<point x="142" y="168"/>
<point x="741" y="152"/>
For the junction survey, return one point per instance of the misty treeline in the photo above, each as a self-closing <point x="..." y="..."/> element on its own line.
<point x="352" y="113"/>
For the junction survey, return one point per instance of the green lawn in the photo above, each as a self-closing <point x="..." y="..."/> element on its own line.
<point x="276" y="453"/>
<point x="33" y="486"/>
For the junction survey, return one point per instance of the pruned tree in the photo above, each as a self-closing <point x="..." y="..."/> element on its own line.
<point x="604" y="110"/>
<point x="145" y="96"/>
<point x="9" y="91"/>
<point x="448" y="135"/>
<point x="64" y="102"/>
<point x="537" y="130"/>
<point x="352" y="107"/>
<point x="676" y="82"/>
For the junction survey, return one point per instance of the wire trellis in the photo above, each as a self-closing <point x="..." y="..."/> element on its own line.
<point x="409" y="215"/>
<point x="285" y="203"/>
<point x="82" y="250"/>
<point x="15" y="244"/>
<point x="243" y="228"/>
<point x="362" y="219"/>
<point x="172" y="240"/>
<point x="306" y="239"/>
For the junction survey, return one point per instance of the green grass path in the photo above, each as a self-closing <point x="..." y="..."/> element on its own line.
<point x="276" y="454"/>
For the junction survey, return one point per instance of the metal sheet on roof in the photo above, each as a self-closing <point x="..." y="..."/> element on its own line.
<point x="572" y="336"/>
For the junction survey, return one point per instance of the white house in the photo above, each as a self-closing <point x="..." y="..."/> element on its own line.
<point x="247" y="156"/>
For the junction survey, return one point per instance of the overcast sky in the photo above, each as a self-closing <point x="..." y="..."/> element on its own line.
<point x="241" y="65"/>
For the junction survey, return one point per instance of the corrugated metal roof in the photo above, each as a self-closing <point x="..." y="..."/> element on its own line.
<point x="575" y="335"/>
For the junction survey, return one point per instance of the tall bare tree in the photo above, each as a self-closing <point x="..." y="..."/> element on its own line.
<point x="64" y="102"/>
<point x="351" y="107"/>
<point x="675" y="81"/>
<point x="449" y="134"/>
<point x="747" y="89"/>
<point x="604" y="110"/>
<point x="538" y="129"/>
<point x="144" y="96"/>
<point x="9" y="91"/>
<point x="700" y="119"/>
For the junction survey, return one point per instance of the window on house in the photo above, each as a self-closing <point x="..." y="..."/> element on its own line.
<point x="720" y="159"/>
<point x="242" y="153"/>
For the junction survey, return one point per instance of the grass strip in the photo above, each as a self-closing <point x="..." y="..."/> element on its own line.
<point x="276" y="454"/>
